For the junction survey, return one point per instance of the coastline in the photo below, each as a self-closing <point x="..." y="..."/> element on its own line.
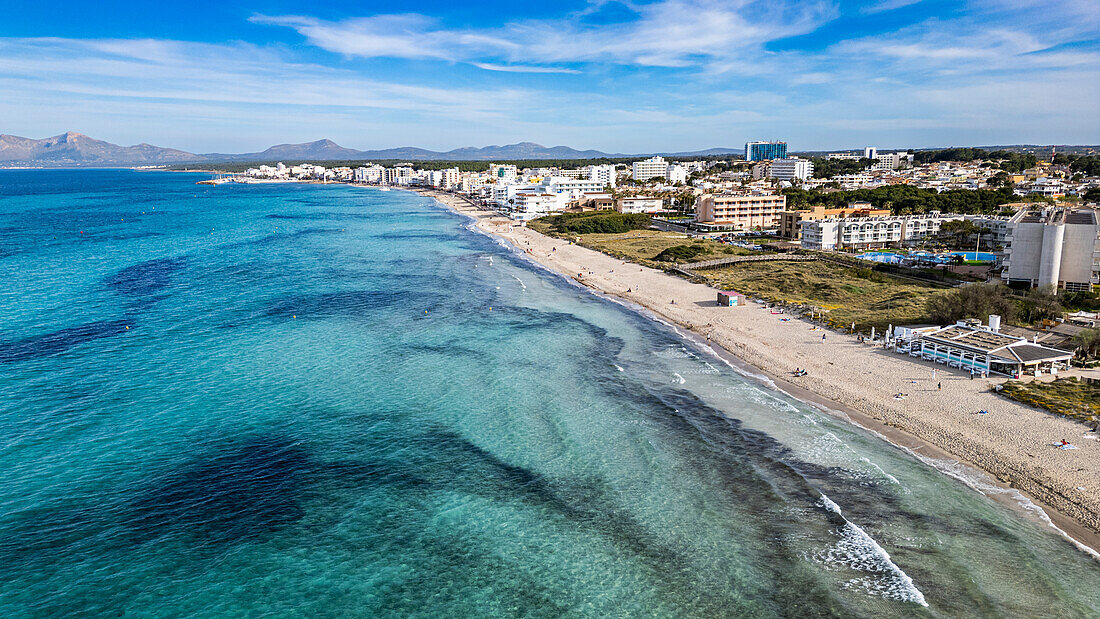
<point x="937" y="426"/>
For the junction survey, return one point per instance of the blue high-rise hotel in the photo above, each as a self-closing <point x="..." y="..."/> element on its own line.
<point x="759" y="151"/>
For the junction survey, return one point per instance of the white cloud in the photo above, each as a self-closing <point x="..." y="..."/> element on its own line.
<point x="887" y="5"/>
<point x="515" y="68"/>
<point x="669" y="33"/>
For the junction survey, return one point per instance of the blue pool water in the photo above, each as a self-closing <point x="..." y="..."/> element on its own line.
<point x="974" y="255"/>
<point x="292" y="400"/>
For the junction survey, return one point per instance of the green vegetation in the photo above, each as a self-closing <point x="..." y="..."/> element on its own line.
<point x="643" y="246"/>
<point x="1008" y="160"/>
<point x="594" y="222"/>
<point x="828" y="168"/>
<point x="981" y="300"/>
<point x="680" y="253"/>
<point x="1088" y="343"/>
<point x="907" y="200"/>
<point x="850" y="294"/>
<point x="975" y="300"/>
<point x="1065" y="396"/>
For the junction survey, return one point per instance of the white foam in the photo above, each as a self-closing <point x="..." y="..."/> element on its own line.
<point x="679" y="378"/>
<point x="522" y="285"/>
<point x="618" y="367"/>
<point x="859" y="551"/>
<point x="979" y="481"/>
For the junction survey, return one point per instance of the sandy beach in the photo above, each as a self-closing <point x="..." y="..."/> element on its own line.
<point x="1013" y="443"/>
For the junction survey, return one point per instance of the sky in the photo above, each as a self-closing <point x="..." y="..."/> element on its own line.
<point x="616" y="76"/>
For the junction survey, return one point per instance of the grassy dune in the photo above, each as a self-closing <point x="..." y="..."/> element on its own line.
<point x="1065" y="396"/>
<point x="642" y="246"/>
<point x="849" y="294"/>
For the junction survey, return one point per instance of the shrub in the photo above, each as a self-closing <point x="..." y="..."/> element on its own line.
<point x="590" y="223"/>
<point x="680" y="253"/>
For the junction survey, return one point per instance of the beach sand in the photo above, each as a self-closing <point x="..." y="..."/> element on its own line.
<point x="1013" y="443"/>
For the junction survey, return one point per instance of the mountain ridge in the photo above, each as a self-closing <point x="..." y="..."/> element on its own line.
<point x="76" y="149"/>
<point x="72" y="149"/>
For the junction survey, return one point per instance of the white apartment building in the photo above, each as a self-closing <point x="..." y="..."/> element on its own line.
<point x="528" y="205"/>
<point x="649" y="168"/>
<point x="871" y="232"/>
<point x="1053" y="247"/>
<point x="639" y="204"/>
<point x="997" y="228"/>
<point x="676" y="174"/>
<point x="503" y="172"/>
<point x="451" y="178"/>
<point x="891" y="161"/>
<point x="572" y="188"/>
<point x="602" y="173"/>
<point x="791" y="168"/>
<point x="369" y="174"/>
<point x="739" y="212"/>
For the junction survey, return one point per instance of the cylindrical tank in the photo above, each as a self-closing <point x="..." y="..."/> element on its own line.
<point x="994" y="323"/>
<point x="1050" y="261"/>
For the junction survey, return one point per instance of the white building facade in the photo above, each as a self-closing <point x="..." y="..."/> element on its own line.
<point x="1053" y="247"/>
<point x="791" y="168"/>
<point x="871" y="232"/>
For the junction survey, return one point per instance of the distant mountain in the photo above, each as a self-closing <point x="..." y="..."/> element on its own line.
<point x="707" y="153"/>
<point x="315" y="151"/>
<point x="78" y="149"/>
<point x="75" y="149"/>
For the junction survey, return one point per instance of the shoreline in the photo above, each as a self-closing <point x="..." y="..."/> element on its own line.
<point x="1000" y="472"/>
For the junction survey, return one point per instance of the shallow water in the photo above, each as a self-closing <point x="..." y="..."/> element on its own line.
<point x="296" y="399"/>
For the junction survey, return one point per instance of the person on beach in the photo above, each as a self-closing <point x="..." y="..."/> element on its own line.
<point x="822" y="338"/>
<point x="939" y="386"/>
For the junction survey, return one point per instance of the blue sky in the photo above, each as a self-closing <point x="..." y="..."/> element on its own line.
<point x="632" y="77"/>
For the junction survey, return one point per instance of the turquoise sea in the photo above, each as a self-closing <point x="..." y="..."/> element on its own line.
<point x="304" y="400"/>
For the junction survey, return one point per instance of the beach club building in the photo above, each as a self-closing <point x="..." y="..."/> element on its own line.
<point x="969" y="346"/>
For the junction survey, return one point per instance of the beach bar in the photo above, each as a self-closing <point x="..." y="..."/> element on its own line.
<point x="968" y="345"/>
<point x="728" y="298"/>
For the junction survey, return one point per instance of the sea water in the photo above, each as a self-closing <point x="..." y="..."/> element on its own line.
<point x="323" y="400"/>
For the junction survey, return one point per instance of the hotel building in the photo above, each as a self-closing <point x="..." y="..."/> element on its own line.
<point x="739" y="212"/>
<point x="649" y="168"/>
<point x="871" y="232"/>
<point x="760" y="151"/>
<point x="790" y="222"/>
<point x="792" y="168"/>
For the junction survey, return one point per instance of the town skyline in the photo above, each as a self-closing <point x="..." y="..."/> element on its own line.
<point x="666" y="76"/>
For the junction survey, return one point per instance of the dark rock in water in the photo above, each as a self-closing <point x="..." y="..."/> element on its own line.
<point x="60" y="341"/>
<point x="145" y="277"/>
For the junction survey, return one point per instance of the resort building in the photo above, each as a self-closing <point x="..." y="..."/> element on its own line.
<point x="968" y="345"/>
<point x="871" y="232"/>
<point x="649" y="168"/>
<point x="1053" y="247"/>
<point x="760" y="151"/>
<point x="790" y="222"/>
<point x="792" y="168"/>
<point x="739" y="212"/>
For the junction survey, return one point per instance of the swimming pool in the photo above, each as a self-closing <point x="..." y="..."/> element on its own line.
<point x="982" y="256"/>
